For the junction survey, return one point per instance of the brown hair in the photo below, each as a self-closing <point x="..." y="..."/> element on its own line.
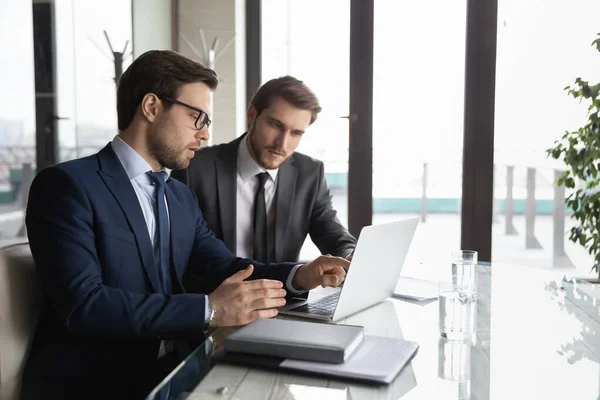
<point x="161" y="72"/>
<point x="290" y="89"/>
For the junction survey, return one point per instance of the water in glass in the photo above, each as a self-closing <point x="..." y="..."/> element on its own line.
<point x="457" y="313"/>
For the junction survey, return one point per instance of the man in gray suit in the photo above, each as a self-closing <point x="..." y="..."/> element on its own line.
<point x="257" y="194"/>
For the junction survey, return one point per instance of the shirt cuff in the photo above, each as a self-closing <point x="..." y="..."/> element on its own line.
<point x="206" y="309"/>
<point x="288" y="283"/>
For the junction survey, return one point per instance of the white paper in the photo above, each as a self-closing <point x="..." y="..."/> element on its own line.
<point x="378" y="358"/>
<point x="415" y="289"/>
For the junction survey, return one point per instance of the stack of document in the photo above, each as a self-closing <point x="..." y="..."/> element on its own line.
<point x="368" y="358"/>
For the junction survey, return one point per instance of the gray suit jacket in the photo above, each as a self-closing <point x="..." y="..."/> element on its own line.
<point x="303" y="202"/>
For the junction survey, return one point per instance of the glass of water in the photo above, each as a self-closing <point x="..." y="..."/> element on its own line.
<point x="457" y="297"/>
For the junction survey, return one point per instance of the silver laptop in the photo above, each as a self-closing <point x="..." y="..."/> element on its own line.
<point x="373" y="274"/>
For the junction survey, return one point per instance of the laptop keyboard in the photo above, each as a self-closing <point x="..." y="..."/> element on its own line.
<point x="324" y="306"/>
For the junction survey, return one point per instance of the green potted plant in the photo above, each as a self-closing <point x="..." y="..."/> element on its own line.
<point x="580" y="151"/>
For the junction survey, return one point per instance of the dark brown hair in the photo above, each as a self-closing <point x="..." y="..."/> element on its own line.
<point x="290" y="89"/>
<point x="161" y="72"/>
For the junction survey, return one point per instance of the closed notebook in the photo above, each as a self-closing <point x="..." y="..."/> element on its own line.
<point x="298" y="340"/>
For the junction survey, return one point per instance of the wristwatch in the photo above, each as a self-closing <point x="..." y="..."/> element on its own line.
<point x="210" y="312"/>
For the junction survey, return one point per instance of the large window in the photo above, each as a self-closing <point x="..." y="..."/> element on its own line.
<point x="85" y="69"/>
<point x="418" y="114"/>
<point x="17" y="111"/>
<point x="419" y="61"/>
<point x="320" y="57"/>
<point x="74" y="68"/>
<point x="542" y="47"/>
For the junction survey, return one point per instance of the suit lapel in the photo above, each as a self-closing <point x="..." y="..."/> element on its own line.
<point x="286" y="190"/>
<point x="117" y="181"/>
<point x="226" y="170"/>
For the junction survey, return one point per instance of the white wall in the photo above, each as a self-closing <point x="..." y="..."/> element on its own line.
<point x="219" y="19"/>
<point x="151" y="26"/>
<point x="240" y="66"/>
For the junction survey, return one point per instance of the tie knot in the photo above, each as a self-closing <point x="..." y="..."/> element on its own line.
<point x="157" y="178"/>
<point x="262" y="178"/>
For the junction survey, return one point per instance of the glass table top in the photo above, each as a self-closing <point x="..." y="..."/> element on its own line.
<point x="537" y="336"/>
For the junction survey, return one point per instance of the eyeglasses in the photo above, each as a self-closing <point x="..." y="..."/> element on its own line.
<point x="202" y="119"/>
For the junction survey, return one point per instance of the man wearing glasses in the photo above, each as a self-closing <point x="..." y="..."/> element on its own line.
<point x="260" y="196"/>
<point x="112" y="235"/>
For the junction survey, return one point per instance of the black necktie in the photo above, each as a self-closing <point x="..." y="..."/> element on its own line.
<point x="162" y="222"/>
<point x="260" y="220"/>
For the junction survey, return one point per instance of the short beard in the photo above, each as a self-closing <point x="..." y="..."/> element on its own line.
<point x="168" y="157"/>
<point x="170" y="162"/>
<point x="256" y="154"/>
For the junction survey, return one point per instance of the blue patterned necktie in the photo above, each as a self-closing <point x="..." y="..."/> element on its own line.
<point x="162" y="221"/>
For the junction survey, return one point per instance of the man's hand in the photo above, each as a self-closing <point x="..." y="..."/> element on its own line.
<point x="238" y="303"/>
<point x="323" y="271"/>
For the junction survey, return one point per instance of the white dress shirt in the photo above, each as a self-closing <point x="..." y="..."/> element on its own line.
<point x="136" y="167"/>
<point x="247" y="184"/>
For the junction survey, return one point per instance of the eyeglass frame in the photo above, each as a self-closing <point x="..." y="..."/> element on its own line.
<point x="198" y="110"/>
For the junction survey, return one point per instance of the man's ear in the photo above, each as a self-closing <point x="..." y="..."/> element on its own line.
<point x="251" y="116"/>
<point x="150" y="106"/>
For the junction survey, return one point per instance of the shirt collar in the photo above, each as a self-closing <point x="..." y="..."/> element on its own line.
<point x="133" y="163"/>
<point x="247" y="167"/>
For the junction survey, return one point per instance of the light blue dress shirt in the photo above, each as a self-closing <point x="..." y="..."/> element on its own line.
<point x="136" y="167"/>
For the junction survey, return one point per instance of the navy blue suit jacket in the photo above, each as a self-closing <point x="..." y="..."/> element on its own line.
<point x="104" y="315"/>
